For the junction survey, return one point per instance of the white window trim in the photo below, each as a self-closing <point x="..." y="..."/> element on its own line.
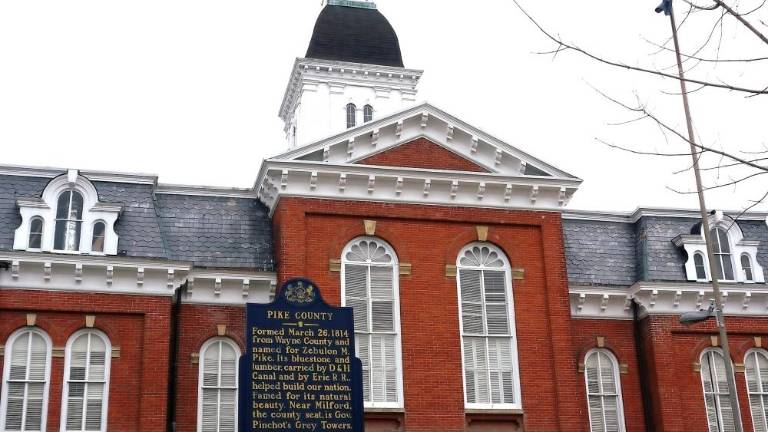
<point x="617" y="380"/>
<point x="396" y="312"/>
<point x="42" y="234"/>
<point x="758" y="352"/>
<point x="45" y="208"/>
<point x="7" y="371"/>
<point x="107" y="369"/>
<point x="507" y="268"/>
<point x="751" y="267"/>
<point x="704" y="264"/>
<point x="201" y="365"/>
<point x="719" y="411"/>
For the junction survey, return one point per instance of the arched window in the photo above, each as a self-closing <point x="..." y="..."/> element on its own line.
<point x="69" y="218"/>
<point x="99" y="235"/>
<point x="746" y="266"/>
<point x="86" y="382"/>
<point x="756" y="371"/>
<point x="217" y="391"/>
<point x="491" y="377"/>
<point x="722" y="251"/>
<point x="367" y="113"/>
<point x="370" y="286"/>
<point x="35" y="233"/>
<point x="351" y="115"/>
<point x="26" y="375"/>
<point x="601" y="374"/>
<point x="698" y="262"/>
<point x="716" y="395"/>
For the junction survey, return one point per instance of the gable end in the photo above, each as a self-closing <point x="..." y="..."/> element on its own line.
<point x="422" y="153"/>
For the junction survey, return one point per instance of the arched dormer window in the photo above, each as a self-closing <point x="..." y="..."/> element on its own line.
<point x="26" y="379"/>
<point x="367" y="113"/>
<point x="722" y="250"/>
<point x="36" y="233"/>
<point x="351" y="115"/>
<point x="489" y="347"/>
<point x="99" y="235"/>
<point x="369" y="284"/>
<point x="746" y="267"/>
<point x="69" y="218"/>
<point x="698" y="262"/>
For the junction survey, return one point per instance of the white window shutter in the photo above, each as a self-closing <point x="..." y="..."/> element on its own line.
<point x="217" y="409"/>
<point x="603" y="395"/>
<point x="356" y="294"/>
<point x="756" y="371"/>
<point x="471" y="302"/>
<point x="496" y="307"/>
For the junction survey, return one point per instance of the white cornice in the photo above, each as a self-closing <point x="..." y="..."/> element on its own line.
<point x="600" y="303"/>
<point x="641" y="212"/>
<point x="410" y="185"/>
<point x="666" y="298"/>
<point x="104" y="176"/>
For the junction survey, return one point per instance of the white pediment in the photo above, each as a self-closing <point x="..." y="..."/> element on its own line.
<point x="335" y="167"/>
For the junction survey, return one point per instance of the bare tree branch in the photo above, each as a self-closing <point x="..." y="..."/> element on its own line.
<point x="636" y="68"/>
<point x="742" y="20"/>
<point x="707" y="60"/>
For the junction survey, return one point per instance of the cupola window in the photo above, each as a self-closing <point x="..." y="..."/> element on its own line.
<point x="69" y="218"/>
<point x="351" y="115"/>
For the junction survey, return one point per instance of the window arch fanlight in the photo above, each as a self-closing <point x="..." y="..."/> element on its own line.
<point x="715" y="387"/>
<point x="86" y="382"/>
<point x="367" y="113"/>
<point x="756" y="372"/>
<point x="369" y="283"/>
<point x="36" y="233"/>
<point x="99" y="235"/>
<point x="722" y="251"/>
<point x="26" y="379"/>
<point x="217" y="386"/>
<point x="489" y="348"/>
<point x="701" y="269"/>
<point x="351" y="115"/>
<point x="746" y="267"/>
<point x="69" y="219"/>
<point x="601" y="376"/>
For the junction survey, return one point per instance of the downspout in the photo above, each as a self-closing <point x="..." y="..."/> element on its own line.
<point x="173" y="357"/>
<point x="642" y="369"/>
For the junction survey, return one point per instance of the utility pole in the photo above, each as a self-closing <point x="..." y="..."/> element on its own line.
<point x="720" y="320"/>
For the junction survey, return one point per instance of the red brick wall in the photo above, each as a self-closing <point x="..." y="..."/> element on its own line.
<point x="308" y="233"/>
<point x="672" y="350"/>
<point x="138" y="325"/>
<point x="422" y="153"/>
<point x="197" y="324"/>
<point x="620" y="340"/>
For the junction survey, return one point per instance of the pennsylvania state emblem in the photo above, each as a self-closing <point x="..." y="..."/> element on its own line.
<point x="300" y="293"/>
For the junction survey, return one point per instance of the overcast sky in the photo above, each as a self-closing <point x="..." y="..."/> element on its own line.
<point x="190" y="89"/>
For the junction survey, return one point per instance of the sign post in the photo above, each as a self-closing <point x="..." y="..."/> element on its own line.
<point x="299" y="371"/>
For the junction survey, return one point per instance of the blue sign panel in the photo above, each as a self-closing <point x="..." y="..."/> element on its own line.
<point x="299" y="371"/>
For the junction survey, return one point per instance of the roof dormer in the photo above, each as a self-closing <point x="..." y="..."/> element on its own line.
<point x="67" y="218"/>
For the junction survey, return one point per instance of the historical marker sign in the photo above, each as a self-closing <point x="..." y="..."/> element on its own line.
<point x="299" y="372"/>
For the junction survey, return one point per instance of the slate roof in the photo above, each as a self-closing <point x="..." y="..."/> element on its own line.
<point x="620" y="253"/>
<point x="211" y="231"/>
<point x="217" y="231"/>
<point x="355" y="35"/>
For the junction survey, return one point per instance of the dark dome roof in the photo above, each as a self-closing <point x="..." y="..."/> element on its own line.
<point x="354" y="34"/>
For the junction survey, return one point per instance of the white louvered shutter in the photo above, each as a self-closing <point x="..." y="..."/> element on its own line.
<point x="603" y="395"/>
<point x="26" y="382"/>
<point x="218" y="387"/>
<point x="756" y="369"/>
<point x="369" y="288"/>
<point x="716" y="396"/>
<point x="86" y="383"/>
<point x="487" y="336"/>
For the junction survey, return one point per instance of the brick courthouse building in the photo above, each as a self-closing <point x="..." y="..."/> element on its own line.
<point x="481" y="302"/>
